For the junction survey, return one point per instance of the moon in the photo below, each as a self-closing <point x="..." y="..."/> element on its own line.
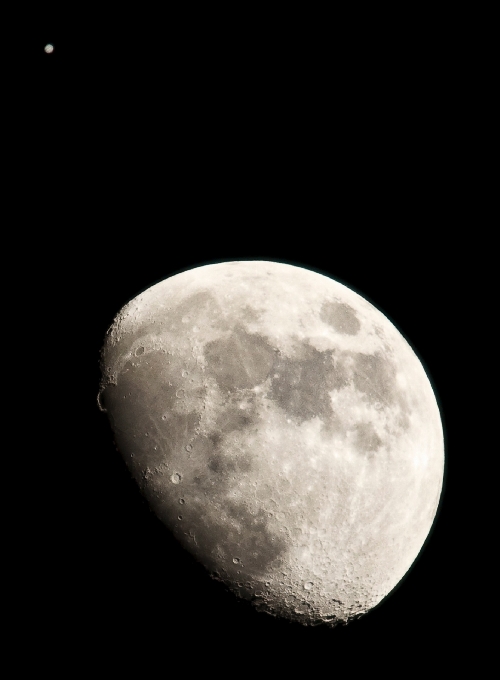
<point x="282" y="429"/>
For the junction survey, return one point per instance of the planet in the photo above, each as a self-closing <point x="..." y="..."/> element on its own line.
<point x="49" y="48"/>
<point x="282" y="429"/>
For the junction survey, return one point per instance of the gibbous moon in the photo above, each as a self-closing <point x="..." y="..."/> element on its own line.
<point x="282" y="429"/>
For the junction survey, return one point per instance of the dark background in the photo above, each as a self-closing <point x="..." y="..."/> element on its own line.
<point x="166" y="144"/>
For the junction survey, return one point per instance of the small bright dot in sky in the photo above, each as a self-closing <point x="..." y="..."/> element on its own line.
<point x="49" y="48"/>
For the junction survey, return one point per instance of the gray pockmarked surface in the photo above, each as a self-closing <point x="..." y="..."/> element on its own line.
<point x="282" y="428"/>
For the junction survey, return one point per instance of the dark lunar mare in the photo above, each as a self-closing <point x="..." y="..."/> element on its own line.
<point x="300" y="385"/>
<point x="341" y="317"/>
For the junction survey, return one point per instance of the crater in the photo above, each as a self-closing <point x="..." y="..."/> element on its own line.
<point x="341" y="317"/>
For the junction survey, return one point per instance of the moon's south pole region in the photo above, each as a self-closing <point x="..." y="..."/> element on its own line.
<point x="283" y="430"/>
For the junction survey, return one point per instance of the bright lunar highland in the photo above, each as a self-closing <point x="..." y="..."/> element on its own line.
<point x="283" y="430"/>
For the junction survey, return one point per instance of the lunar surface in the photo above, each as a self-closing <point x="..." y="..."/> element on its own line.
<point x="282" y="428"/>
